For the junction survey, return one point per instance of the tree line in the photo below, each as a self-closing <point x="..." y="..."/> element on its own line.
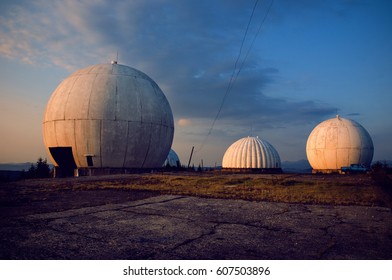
<point x="40" y="169"/>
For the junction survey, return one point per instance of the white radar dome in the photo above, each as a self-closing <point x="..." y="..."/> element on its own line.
<point x="338" y="142"/>
<point x="108" y="116"/>
<point x="251" y="153"/>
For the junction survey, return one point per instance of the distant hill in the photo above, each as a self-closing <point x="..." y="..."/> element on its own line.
<point x="303" y="166"/>
<point x="389" y="162"/>
<point x="15" y="171"/>
<point x="15" y="166"/>
<point x="300" y="166"/>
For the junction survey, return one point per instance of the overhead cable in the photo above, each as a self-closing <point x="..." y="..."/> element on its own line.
<point x="236" y="72"/>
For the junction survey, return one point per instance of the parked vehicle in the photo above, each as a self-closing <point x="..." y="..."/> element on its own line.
<point x="354" y="168"/>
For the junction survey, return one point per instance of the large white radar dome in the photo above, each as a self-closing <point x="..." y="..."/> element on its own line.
<point x="338" y="142"/>
<point x="108" y="116"/>
<point x="251" y="153"/>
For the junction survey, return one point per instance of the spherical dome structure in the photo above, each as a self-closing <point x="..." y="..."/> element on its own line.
<point x="338" y="142"/>
<point x="108" y="116"/>
<point x="251" y="153"/>
<point x="172" y="160"/>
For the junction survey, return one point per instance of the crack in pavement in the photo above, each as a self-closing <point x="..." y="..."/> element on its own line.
<point x="263" y="227"/>
<point x="155" y="202"/>
<point x="176" y="226"/>
<point x="190" y="240"/>
<point x="39" y="216"/>
<point x="30" y="221"/>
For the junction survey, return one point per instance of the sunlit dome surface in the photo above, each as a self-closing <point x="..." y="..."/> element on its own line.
<point x="339" y="142"/>
<point x="251" y="152"/>
<point x="108" y="115"/>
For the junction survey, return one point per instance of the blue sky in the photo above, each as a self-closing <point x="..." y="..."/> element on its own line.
<point x="311" y="60"/>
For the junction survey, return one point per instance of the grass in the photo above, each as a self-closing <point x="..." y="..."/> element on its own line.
<point x="365" y="190"/>
<point x="309" y="189"/>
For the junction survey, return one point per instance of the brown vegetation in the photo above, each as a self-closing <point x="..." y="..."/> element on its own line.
<point x="364" y="190"/>
<point x="312" y="189"/>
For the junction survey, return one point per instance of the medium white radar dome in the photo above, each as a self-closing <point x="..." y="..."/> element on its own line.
<point x="251" y="153"/>
<point x="338" y="142"/>
<point x="108" y="116"/>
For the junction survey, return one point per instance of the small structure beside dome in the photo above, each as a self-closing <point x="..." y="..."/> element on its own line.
<point x="251" y="154"/>
<point x="338" y="142"/>
<point x="172" y="160"/>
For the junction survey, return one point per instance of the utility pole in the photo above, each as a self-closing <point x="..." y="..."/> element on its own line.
<point x="190" y="158"/>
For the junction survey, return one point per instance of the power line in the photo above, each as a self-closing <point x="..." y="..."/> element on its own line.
<point x="231" y="78"/>
<point x="254" y="38"/>
<point x="243" y="41"/>
<point x="235" y="73"/>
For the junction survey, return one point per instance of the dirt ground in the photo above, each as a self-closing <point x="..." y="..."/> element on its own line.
<point x="74" y="218"/>
<point x="18" y="200"/>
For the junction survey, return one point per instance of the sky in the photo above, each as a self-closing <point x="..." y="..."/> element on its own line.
<point x="310" y="60"/>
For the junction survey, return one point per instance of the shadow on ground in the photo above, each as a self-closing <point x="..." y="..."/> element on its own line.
<point x="59" y="223"/>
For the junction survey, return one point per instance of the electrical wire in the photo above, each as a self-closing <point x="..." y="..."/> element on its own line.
<point x="254" y="39"/>
<point x="228" y="89"/>
<point x="236" y="72"/>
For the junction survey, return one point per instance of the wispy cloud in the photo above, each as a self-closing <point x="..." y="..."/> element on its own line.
<point x="188" y="47"/>
<point x="353" y="114"/>
<point x="50" y="32"/>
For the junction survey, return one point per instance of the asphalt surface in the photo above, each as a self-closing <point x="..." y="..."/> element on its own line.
<point x="154" y="226"/>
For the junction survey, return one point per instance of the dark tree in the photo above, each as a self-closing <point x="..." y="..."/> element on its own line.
<point x="39" y="170"/>
<point x="32" y="172"/>
<point x="42" y="168"/>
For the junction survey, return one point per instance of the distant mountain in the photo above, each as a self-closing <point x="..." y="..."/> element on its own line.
<point x="300" y="166"/>
<point x="15" y="166"/>
<point x="303" y="166"/>
<point x="389" y="162"/>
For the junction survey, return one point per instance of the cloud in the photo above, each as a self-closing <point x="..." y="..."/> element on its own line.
<point x="188" y="47"/>
<point x="184" y="122"/>
<point x="353" y="114"/>
<point x="249" y="100"/>
<point x="51" y="33"/>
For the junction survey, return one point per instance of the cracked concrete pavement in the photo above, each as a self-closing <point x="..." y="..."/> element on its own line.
<point x="184" y="227"/>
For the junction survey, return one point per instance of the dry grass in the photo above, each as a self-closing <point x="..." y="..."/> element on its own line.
<point x="310" y="189"/>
